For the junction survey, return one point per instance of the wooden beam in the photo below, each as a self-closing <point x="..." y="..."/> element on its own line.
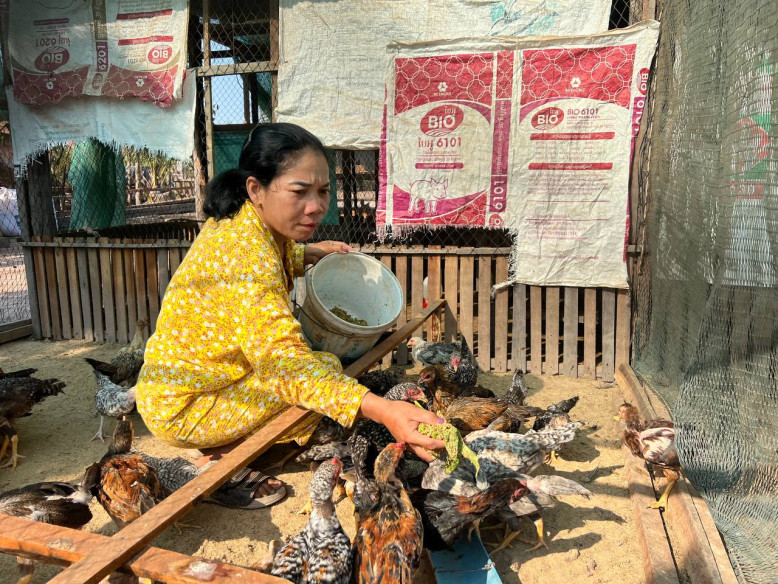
<point x="19" y="332"/>
<point x="113" y="553"/>
<point x="237" y="69"/>
<point x="36" y="541"/>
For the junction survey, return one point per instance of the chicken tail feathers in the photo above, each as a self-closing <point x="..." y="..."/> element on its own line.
<point x="101" y="366"/>
<point x="563" y="407"/>
<point x="17" y="374"/>
<point x="518" y="391"/>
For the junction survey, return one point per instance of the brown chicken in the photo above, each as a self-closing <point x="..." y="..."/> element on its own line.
<point x="388" y="544"/>
<point x="654" y="442"/>
<point x="18" y="394"/>
<point x="470" y="413"/>
<point x="125" y="365"/>
<point x="128" y="487"/>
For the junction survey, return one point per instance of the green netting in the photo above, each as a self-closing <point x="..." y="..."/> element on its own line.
<point x="99" y="183"/>
<point x="706" y="330"/>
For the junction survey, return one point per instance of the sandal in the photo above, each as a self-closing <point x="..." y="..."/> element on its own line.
<point x="239" y="492"/>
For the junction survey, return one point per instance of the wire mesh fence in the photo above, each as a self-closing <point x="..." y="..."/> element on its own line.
<point x="707" y="320"/>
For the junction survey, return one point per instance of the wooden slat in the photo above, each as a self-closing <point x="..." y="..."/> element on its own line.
<point x="387" y="360"/>
<point x="433" y="291"/>
<point x="73" y="292"/>
<point x="519" y="353"/>
<point x="536" y="329"/>
<point x="17" y="332"/>
<point x="113" y="553"/>
<point x="36" y="541"/>
<point x="551" y="363"/>
<point x="174" y="253"/>
<point x="141" y="294"/>
<point x="417" y="284"/>
<point x="570" y="342"/>
<point x="484" y="353"/>
<point x="106" y="279"/>
<point x="163" y="271"/>
<point x="590" y="333"/>
<point x="623" y="314"/>
<point x="120" y="294"/>
<point x="52" y="290"/>
<point x="466" y="287"/>
<point x="93" y="258"/>
<point x="63" y="292"/>
<point x="501" y="316"/>
<point x="401" y="271"/>
<point x="32" y="292"/>
<point x="152" y="285"/>
<point x="608" y="323"/>
<point x="451" y="279"/>
<point x="129" y="283"/>
<point x="43" y="292"/>
<point x="84" y="293"/>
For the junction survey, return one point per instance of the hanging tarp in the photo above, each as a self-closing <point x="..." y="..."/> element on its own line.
<point x="112" y="48"/>
<point x="533" y="134"/>
<point x="333" y="53"/>
<point x="99" y="182"/>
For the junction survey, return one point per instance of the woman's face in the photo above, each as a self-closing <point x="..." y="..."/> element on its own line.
<point x="293" y="205"/>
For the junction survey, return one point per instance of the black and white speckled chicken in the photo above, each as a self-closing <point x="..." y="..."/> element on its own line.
<point x="388" y="544"/>
<point x="555" y="416"/>
<point x="56" y="503"/>
<point x="18" y="395"/>
<point x="175" y="472"/>
<point x="126" y="364"/>
<point x="518" y="388"/>
<point x="111" y="400"/>
<point x="321" y="552"/>
<point x="428" y="353"/>
<point x="381" y="381"/>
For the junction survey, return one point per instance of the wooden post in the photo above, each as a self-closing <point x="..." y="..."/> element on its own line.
<point x="484" y="353"/>
<point x="208" y="97"/>
<point x="608" y="324"/>
<point x="590" y="333"/>
<point x="23" y="202"/>
<point x="536" y="329"/>
<point x="570" y="343"/>
<point x="451" y="283"/>
<point x="520" y="327"/>
<point x="466" y="269"/>
<point x="551" y="364"/>
<point x="501" y="316"/>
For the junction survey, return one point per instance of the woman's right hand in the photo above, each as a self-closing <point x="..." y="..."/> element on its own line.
<point x="402" y="419"/>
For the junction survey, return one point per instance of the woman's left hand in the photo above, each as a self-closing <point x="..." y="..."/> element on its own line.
<point x="315" y="251"/>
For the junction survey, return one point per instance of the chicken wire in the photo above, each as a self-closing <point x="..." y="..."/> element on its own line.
<point x="707" y="311"/>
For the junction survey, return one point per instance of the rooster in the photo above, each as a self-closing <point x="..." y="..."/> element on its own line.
<point x="18" y="394"/>
<point x="111" y="399"/>
<point x="654" y="442"/>
<point x="321" y="552"/>
<point x="56" y="503"/>
<point x="388" y="544"/>
<point x="126" y="364"/>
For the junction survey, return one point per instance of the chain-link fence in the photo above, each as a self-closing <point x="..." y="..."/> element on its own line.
<point x="707" y="327"/>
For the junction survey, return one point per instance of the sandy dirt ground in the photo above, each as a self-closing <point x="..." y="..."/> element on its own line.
<point x="589" y="540"/>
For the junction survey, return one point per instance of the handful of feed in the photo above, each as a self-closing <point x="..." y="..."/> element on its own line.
<point x="343" y="315"/>
<point x="455" y="445"/>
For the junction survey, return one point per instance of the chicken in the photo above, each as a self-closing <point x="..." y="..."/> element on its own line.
<point x="388" y="544"/>
<point x="542" y="493"/>
<point x="321" y="552"/>
<point x="173" y="473"/>
<point x="56" y="503"/>
<point x="469" y="414"/>
<point x="381" y="381"/>
<point x="427" y="353"/>
<point x="555" y="416"/>
<point x="445" y="516"/>
<point x="128" y="486"/>
<point x="18" y="395"/>
<point x="111" y="400"/>
<point x="17" y="374"/>
<point x="126" y="364"/>
<point x="654" y="442"/>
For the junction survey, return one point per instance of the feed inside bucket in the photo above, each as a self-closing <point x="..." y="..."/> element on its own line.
<point x="359" y="286"/>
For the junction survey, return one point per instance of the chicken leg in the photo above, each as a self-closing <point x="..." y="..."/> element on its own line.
<point x="26" y="569"/>
<point x="541" y="537"/>
<point x="507" y="540"/>
<point x="99" y="434"/>
<point x="662" y="502"/>
<point x="15" y="456"/>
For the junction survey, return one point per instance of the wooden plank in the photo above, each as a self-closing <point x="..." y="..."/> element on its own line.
<point x="623" y="320"/>
<point x="14" y="333"/>
<point x="117" y="550"/>
<point x="451" y="286"/>
<point x="93" y="258"/>
<point x="174" y="253"/>
<point x="519" y="353"/>
<point x="37" y="541"/>
<point x="42" y="290"/>
<point x="141" y="294"/>
<point x="590" y="333"/>
<point x="483" y="354"/>
<point x="129" y="283"/>
<point x="608" y="324"/>
<point x="74" y="292"/>
<point x="387" y="360"/>
<point x="466" y="287"/>
<point x="84" y="293"/>
<point x="401" y="271"/>
<point x="52" y="291"/>
<point x="501" y="316"/>
<point x="536" y="329"/>
<point x="32" y="292"/>
<point x="417" y="284"/>
<point x="152" y="286"/>
<point x="163" y="271"/>
<point x="570" y="343"/>
<point x="63" y="292"/>
<point x="120" y="294"/>
<point x="106" y="278"/>
<point x="433" y="291"/>
<point x="551" y="363"/>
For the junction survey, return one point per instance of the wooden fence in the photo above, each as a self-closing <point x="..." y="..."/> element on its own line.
<point x="96" y="289"/>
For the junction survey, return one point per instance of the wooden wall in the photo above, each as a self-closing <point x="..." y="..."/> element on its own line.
<point x="96" y="289"/>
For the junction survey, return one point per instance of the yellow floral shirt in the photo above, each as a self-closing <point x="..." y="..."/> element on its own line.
<point x="227" y="355"/>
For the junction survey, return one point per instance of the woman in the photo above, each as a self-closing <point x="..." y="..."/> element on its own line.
<point x="227" y="355"/>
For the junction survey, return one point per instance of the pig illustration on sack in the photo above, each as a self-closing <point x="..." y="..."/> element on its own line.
<point x="430" y="191"/>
